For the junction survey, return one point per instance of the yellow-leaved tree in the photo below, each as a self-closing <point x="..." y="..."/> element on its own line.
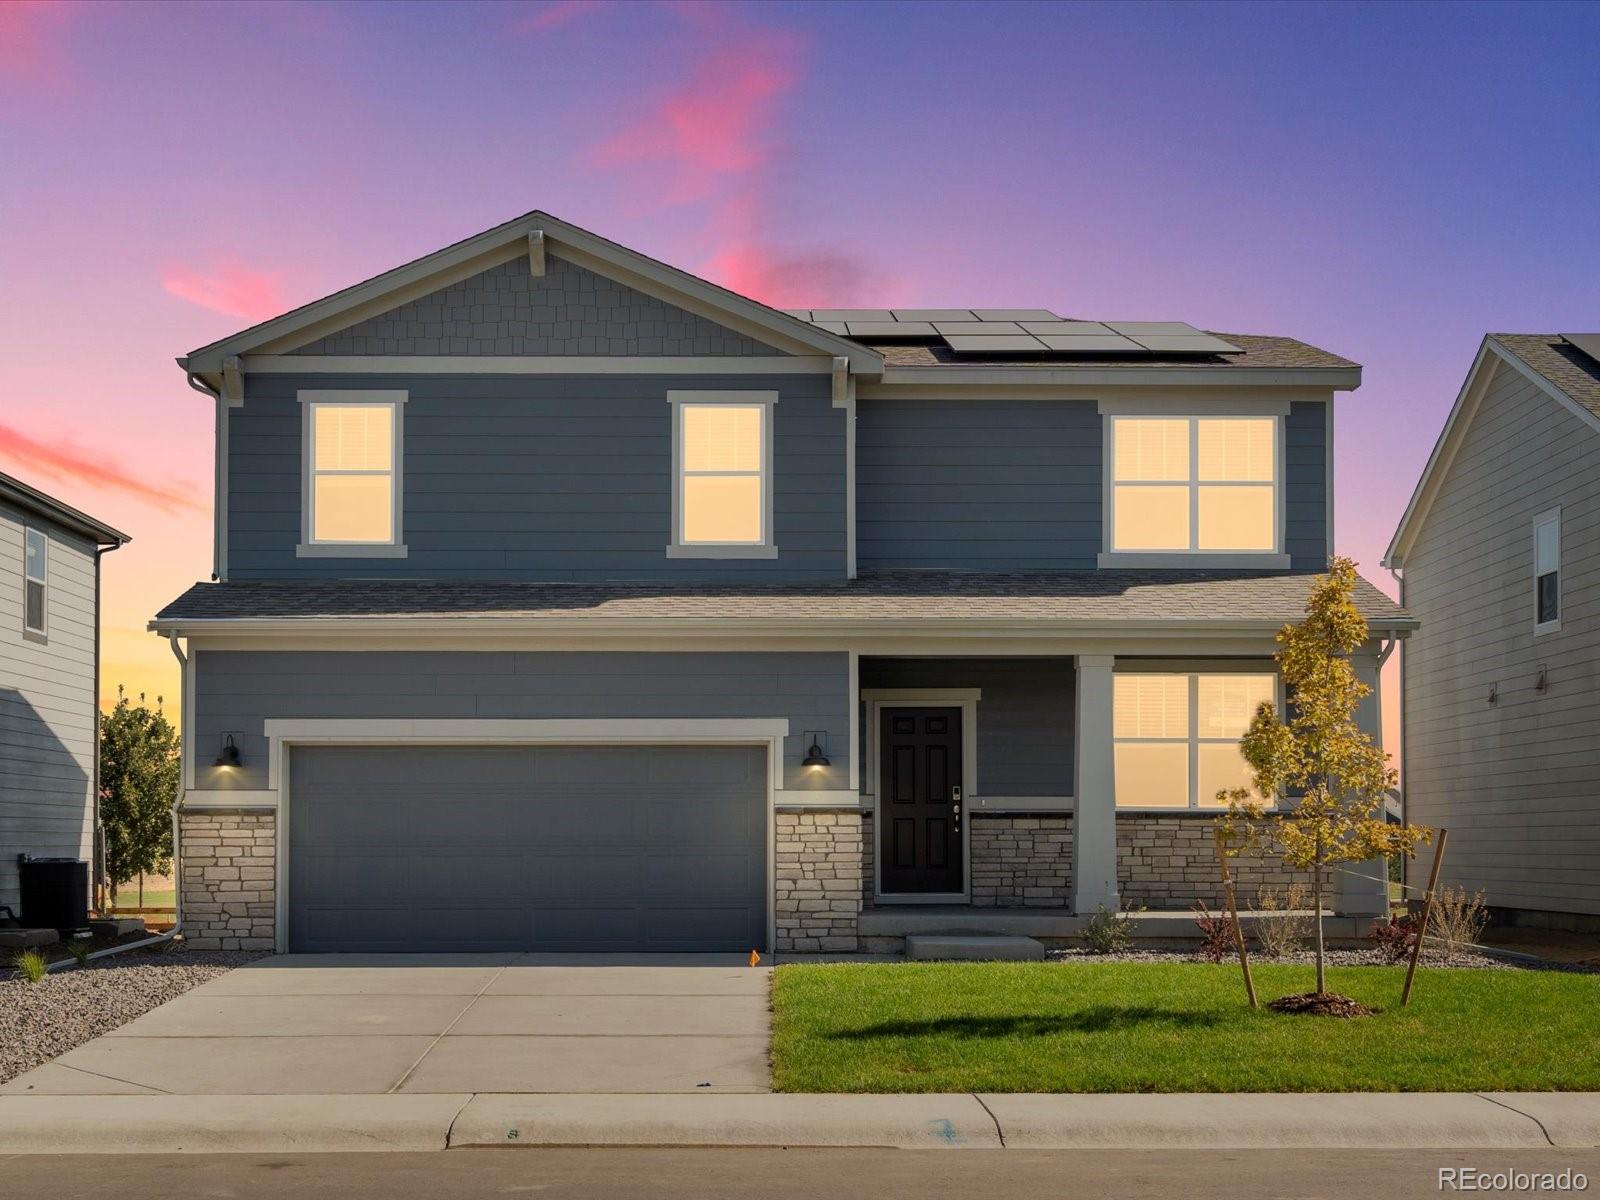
<point x="1323" y="770"/>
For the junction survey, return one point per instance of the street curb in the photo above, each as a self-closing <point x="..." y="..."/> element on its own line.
<point x="121" y="1124"/>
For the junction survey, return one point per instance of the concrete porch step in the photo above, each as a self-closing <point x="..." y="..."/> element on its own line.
<point x="972" y="948"/>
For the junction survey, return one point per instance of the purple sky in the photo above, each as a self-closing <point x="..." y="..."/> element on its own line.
<point x="1386" y="181"/>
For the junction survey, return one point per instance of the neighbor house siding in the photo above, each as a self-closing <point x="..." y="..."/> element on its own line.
<point x="235" y="691"/>
<point x="1007" y="485"/>
<point x="47" y="704"/>
<point x="555" y="478"/>
<point x="1516" y="782"/>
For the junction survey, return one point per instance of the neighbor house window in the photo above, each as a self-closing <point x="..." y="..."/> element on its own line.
<point x="35" y="580"/>
<point x="1194" y="484"/>
<point x="352" y="474"/>
<point x="722" y="489"/>
<point x="1547" y="571"/>
<point x="1177" y="736"/>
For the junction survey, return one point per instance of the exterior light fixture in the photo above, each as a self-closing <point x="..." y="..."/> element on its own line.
<point x="230" y="753"/>
<point x="1543" y="683"/>
<point x="814" y="756"/>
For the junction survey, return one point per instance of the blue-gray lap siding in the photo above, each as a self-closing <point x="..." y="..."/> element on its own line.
<point x="1006" y="485"/>
<point x="237" y="690"/>
<point x="560" y="478"/>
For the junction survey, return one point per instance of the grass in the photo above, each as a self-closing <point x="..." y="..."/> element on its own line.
<point x="128" y="898"/>
<point x="1183" y="1027"/>
<point x="30" y="964"/>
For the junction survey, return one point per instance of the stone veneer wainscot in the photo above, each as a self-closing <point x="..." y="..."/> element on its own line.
<point x="820" y="876"/>
<point x="228" y="878"/>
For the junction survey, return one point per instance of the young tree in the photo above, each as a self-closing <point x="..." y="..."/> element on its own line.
<point x="140" y="773"/>
<point x="1318" y="752"/>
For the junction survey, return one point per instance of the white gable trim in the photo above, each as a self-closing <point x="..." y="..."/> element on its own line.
<point x="512" y="240"/>
<point x="1492" y="355"/>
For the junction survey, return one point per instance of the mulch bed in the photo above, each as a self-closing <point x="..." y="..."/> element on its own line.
<point x="1321" y="1004"/>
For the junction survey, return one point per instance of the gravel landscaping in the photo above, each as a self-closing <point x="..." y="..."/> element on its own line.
<point x="69" y="1007"/>
<point x="1336" y="958"/>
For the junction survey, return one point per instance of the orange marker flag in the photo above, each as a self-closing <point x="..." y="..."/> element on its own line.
<point x="755" y="958"/>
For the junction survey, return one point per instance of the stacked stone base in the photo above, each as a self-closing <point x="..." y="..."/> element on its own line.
<point x="1021" y="861"/>
<point x="1170" y="862"/>
<point x="228" y="879"/>
<point x="819" y="881"/>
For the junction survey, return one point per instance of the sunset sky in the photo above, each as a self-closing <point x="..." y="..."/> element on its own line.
<point x="1388" y="182"/>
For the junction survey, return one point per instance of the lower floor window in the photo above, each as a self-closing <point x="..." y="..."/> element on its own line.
<point x="1177" y="736"/>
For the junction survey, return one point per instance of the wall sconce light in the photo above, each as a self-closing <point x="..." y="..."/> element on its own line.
<point x="816" y="757"/>
<point x="1494" y="693"/>
<point x="1543" y="684"/>
<point x="230" y="756"/>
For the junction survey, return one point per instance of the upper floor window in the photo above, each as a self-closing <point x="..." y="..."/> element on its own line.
<point x="352" y="473"/>
<point x="1547" y="571"/>
<point x="1176" y="736"/>
<point x="35" y="580"/>
<point x="1188" y="485"/>
<point x="722" y="475"/>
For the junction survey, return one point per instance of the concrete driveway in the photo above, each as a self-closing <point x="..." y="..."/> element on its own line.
<point x="373" y="1024"/>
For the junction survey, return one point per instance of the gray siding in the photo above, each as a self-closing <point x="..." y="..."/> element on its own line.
<point x="537" y="477"/>
<point x="47" y="705"/>
<point x="1517" y="783"/>
<point x="1017" y="484"/>
<point x="235" y="691"/>
<point x="1026" y="717"/>
<point x="567" y="310"/>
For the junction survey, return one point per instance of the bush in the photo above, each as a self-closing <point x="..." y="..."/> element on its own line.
<point x="1216" y="932"/>
<point x="31" y="965"/>
<point x="80" y="949"/>
<point x="1107" y="932"/>
<point x="1288" y="932"/>
<point x="1458" y="918"/>
<point x="1394" y="938"/>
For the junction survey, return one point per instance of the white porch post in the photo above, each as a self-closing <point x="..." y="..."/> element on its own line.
<point x="1364" y="888"/>
<point x="1094" y="804"/>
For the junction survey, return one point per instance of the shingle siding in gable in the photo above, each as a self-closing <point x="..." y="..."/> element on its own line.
<point x="556" y="478"/>
<point x="567" y="311"/>
<point x="1516" y="782"/>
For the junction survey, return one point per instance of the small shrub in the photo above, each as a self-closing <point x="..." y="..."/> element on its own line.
<point x="1216" y="930"/>
<point x="31" y="964"/>
<point x="1458" y="919"/>
<point x="80" y="949"/>
<point x="1107" y="932"/>
<point x="1288" y="931"/>
<point x="1394" y="938"/>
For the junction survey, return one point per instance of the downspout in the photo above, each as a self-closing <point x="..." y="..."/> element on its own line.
<point x="185" y="721"/>
<point x="220" y="449"/>
<point x="1405" y="793"/>
<point x="98" y="853"/>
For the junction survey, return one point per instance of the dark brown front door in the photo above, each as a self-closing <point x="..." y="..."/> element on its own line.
<point x="921" y="805"/>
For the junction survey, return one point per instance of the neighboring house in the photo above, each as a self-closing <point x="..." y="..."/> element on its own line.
<point x="567" y="601"/>
<point x="49" y="678"/>
<point x="1501" y="686"/>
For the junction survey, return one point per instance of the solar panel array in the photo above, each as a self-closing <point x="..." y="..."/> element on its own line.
<point x="1007" y="331"/>
<point x="1588" y="343"/>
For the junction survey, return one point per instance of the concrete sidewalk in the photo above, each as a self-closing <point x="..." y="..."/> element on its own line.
<point x="275" y="1124"/>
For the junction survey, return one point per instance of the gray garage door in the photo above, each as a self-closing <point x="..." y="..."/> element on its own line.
<point x="527" y="848"/>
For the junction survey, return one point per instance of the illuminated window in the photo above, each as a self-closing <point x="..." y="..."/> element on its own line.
<point x="1193" y="484"/>
<point x="352" y="475"/>
<point x="35" y="580"/>
<point x="1176" y="737"/>
<point x="723" y="487"/>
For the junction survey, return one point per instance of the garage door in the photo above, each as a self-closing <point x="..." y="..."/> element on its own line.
<point x="527" y="848"/>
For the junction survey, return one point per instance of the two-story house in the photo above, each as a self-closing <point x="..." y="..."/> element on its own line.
<point x="49" y="679"/>
<point x="567" y="601"/>
<point x="1501" y="686"/>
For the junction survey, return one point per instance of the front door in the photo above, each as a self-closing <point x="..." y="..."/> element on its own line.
<point x="921" y="805"/>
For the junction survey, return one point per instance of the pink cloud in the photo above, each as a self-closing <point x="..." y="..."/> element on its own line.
<point x="556" y="15"/>
<point x="30" y="50"/>
<point x="816" y="279"/>
<point x="231" y="288"/>
<point x="64" y="461"/>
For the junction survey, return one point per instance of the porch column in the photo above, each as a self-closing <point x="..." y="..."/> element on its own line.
<point x="1363" y="889"/>
<point x="1094" y="803"/>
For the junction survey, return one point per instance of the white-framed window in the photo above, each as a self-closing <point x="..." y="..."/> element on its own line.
<point x="1547" y="571"/>
<point x="35" y="581"/>
<point x="352" y="456"/>
<point x="1176" y="735"/>
<point x="1195" y="485"/>
<point x="722" y="474"/>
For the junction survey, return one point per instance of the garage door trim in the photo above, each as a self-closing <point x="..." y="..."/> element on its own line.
<point x="283" y="735"/>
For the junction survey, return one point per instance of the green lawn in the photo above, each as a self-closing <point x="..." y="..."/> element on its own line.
<point x="1182" y="1027"/>
<point x="128" y="897"/>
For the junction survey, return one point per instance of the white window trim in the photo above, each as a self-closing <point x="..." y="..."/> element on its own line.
<point x="1193" y="740"/>
<point x="41" y="632"/>
<point x="1551" y="516"/>
<point x="309" y="546"/>
<point x="1275" y="558"/>
<point x="767" y="547"/>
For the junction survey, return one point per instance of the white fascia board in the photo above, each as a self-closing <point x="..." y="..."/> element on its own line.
<point x="1341" y="379"/>
<point x="552" y="364"/>
<point x="508" y="241"/>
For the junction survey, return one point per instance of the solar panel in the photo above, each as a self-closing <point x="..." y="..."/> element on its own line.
<point x="803" y="314"/>
<point x="1589" y="343"/>
<point x="933" y="314"/>
<point x="1092" y="343"/>
<point x="850" y="314"/>
<point x="1064" y="327"/>
<point x="832" y="327"/>
<point x="892" y="329"/>
<point x="999" y="344"/>
<point x="1014" y="314"/>
<point x="1185" y="343"/>
<point x="978" y="328"/>
<point x="1135" y="328"/>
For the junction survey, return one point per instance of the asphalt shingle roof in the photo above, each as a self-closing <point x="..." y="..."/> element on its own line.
<point x="1564" y="365"/>
<point x="1259" y="351"/>
<point x="1093" y="596"/>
